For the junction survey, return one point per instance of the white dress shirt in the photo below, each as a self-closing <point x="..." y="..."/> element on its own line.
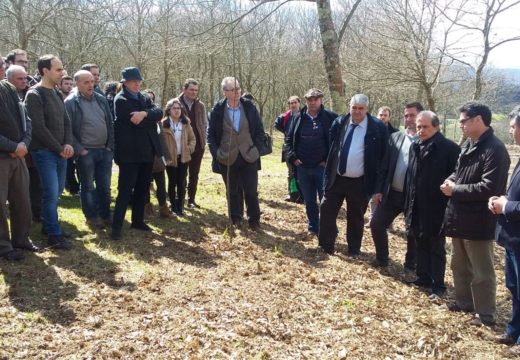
<point x="356" y="154"/>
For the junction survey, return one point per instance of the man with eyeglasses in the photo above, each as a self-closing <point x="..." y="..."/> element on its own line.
<point x="235" y="135"/>
<point x="357" y="146"/>
<point x="481" y="173"/>
<point x="282" y="124"/>
<point x="389" y="191"/>
<point x="19" y="57"/>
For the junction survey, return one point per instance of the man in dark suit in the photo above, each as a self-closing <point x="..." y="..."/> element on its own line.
<point x="432" y="159"/>
<point x="508" y="236"/>
<point x="357" y="145"/>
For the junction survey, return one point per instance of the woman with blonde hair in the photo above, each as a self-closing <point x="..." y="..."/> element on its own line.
<point x="179" y="140"/>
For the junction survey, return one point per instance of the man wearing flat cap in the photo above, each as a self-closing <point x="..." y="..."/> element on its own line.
<point x="307" y="146"/>
<point x="357" y="145"/>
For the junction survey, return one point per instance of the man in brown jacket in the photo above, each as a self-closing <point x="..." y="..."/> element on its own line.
<point x="199" y="122"/>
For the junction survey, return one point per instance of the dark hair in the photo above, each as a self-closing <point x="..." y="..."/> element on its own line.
<point x="45" y="62"/>
<point x="12" y="55"/>
<point x="110" y="87"/>
<point x="66" y="78"/>
<point x="184" y="117"/>
<point x="414" y="104"/>
<point x="473" y="108"/>
<point x="248" y="96"/>
<point x="189" y="82"/>
<point x="89" y="66"/>
<point x="150" y="93"/>
<point x="515" y="115"/>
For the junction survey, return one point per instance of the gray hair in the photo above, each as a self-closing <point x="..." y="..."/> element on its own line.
<point x="359" y="99"/>
<point x="430" y="115"/>
<point x="515" y="115"/>
<point x="79" y="73"/>
<point x="227" y="80"/>
<point x="13" y="69"/>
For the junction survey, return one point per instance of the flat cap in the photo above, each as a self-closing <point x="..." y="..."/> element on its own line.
<point x="317" y="93"/>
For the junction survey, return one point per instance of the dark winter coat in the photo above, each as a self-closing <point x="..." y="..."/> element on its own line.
<point x="425" y="204"/>
<point x="215" y="129"/>
<point x="481" y="172"/>
<point x="135" y="143"/>
<point x="292" y="139"/>
<point x="376" y="139"/>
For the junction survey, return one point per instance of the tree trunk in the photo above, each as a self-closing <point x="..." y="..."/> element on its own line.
<point x="329" y="39"/>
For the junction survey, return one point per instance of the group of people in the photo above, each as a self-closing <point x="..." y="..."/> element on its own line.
<point x="51" y="127"/>
<point x="442" y="189"/>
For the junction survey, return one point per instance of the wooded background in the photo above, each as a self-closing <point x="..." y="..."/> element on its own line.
<point x="395" y="51"/>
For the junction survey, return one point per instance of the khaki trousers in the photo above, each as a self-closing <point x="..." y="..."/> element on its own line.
<point x="474" y="276"/>
<point x="14" y="188"/>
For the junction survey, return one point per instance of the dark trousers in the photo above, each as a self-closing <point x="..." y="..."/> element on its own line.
<point x="242" y="185"/>
<point x="71" y="181"/>
<point x="14" y="186"/>
<point x="35" y="193"/>
<point x="177" y="185"/>
<point x="431" y="260"/>
<point x="352" y="191"/>
<point x="194" y="169"/>
<point x="512" y="272"/>
<point x="160" y="186"/>
<point x="383" y="217"/>
<point x="132" y="177"/>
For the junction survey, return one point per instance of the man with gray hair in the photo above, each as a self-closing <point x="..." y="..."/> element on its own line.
<point x="93" y="141"/>
<point x="432" y="160"/>
<point x="235" y="135"/>
<point x="15" y="137"/>
<point x="357" y="146"/>
<point x="17" y="76"/>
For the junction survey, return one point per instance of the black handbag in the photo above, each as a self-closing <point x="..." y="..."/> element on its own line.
<point x="267" y="145"/>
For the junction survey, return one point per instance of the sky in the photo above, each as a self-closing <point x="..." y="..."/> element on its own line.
<point x="508" y="54"/>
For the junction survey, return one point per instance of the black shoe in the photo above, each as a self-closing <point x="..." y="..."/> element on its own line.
<point x="116" y="235"/>
<point x="13" y="255"/>
<point x="142" y="227"/>
<point x="58" y="242"/>
<point x="193" y="205"/>
<point x="255" y="226"/>
<point x="379" y="263"/>
<point x="237" y="222"/>
<point x="423" y="283"/>
<point x="65" y="234"/>
<point x="454" y="307"/>
<point x="31" y="247"/>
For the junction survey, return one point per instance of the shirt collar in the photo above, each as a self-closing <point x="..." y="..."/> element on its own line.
<point x="362" y="124"/>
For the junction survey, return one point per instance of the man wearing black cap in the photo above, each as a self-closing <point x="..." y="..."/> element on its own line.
<point x="136" y="144"/>
<point x="307" y="146"/>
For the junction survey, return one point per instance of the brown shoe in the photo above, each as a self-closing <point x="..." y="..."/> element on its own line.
<point x="148" y="210"/>
<point x="164" y="212"/>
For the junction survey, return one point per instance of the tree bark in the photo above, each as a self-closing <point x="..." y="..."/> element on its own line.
<point x="330" y="42"/>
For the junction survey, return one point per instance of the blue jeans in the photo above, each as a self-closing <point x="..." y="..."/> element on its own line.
<point x="52" y="169"/>
<point x="311" y="184"/>
<point x="512" y="272"/>
<point x="96" y="167"/>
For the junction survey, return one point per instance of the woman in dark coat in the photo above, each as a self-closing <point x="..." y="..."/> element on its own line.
<point x="136" y="144"/>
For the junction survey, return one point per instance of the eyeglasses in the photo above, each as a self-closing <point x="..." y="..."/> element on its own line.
<point x="237" y="89"/>
<point x="463" y="121"/>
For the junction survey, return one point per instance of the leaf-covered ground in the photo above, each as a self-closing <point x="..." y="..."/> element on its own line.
<point x="196" y="289"/>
